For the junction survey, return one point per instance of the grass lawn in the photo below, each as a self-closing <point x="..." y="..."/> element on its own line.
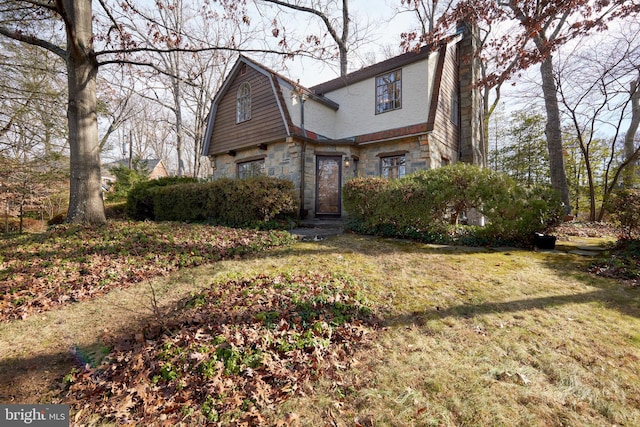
<point x="348" y="331"/>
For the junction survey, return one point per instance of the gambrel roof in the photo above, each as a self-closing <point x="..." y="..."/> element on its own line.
<point x="277" y="83"/>
<point x="277" y="116"/>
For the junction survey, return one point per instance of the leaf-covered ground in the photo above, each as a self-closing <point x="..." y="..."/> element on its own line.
<point x="622" y="260"/>
<point x="623" y="263"/>
<point x="72" y="263"/>
<point x="233" y="353"/>
<point x="470" y="336"/>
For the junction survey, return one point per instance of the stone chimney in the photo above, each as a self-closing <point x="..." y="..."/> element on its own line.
<point x="471" y="104"/>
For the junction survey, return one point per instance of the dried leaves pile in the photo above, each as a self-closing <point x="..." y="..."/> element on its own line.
<point x="230" y="355"/>
<point x="72" y="263"/>
<point x="622" y="263"/>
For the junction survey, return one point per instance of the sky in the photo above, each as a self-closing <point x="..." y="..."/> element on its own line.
<point x="376" y="20"/>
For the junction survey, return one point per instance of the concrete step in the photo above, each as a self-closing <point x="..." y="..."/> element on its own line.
<point x="315" y="229"/>
<point x="322" y="223"/>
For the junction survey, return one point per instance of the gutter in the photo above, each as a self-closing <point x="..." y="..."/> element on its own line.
<point x="395" y="138"/>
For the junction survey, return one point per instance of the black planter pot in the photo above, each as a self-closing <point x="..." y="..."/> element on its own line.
<point x="544" y="241"/>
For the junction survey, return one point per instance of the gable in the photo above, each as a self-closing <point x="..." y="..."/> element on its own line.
<point x="268" y="121"/>
<point x="344" y="110"/>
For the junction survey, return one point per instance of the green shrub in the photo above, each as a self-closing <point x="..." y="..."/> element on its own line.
<point x="431" y="205"/>
<point x="126" y="179"/>
<point x="181" y="202"/>
<point x="115" y="210"/>
<point x="514" y="219"/>
<point x="251" y="202"/>
<point x="624" y="210"/>
<point x="140" y="197"/>
<point x="360" y="195"/>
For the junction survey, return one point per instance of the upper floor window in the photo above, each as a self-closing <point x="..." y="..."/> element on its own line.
<point x="388" y="91"/>
<point x="243" y="103"/>
<point x="251" y="168"/>
<point x="393" y="166"/>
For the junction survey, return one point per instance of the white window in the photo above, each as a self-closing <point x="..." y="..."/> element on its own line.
<point x="388" y="91"/>
<point x="243" y="103"/>
<point x="393" y="166"/>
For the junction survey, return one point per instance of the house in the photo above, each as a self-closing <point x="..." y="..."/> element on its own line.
<point x="155" y="167"/>
<point x="415" y="111"/>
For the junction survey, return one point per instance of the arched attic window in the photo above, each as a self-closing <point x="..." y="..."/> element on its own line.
<point x="243" y="103"/>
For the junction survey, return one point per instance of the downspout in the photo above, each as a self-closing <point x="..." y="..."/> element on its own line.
<point x="459" y="95"/>
<point x="303" y="154"/>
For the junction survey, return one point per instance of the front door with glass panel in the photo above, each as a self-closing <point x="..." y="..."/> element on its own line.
<point x="328" y="178"/>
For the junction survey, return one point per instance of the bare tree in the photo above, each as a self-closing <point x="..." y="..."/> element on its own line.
<point x="427" y="12"/>
<point x="598" y="87"/>
<point x="543" y="26"/>
<point x="338" y="29"/>
<point x="32" y="102"/>
<point x="630" y="175"/>
<point x="114" y="104"/>
<point x="171" y="25"/>
<point x="25" y="185"/>
<point x="22" y="20"/>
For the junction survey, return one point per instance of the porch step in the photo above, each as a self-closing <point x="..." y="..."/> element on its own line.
<point x="322" y="223"/>
<point x="315" y="229"/>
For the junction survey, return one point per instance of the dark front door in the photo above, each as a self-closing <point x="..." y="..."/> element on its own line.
<point x="328" y="178"/>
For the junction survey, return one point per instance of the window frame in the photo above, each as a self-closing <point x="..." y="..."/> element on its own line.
<point x="399" y="167"/>
<point x="261" y="171"/>
<point x="384" y="87"/>
<point x="243" y="103"/>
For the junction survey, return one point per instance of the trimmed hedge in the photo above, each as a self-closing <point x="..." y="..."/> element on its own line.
<point x="252" y="202"/>
<point x="140" y="197"/>
<point x="430" y="205"/>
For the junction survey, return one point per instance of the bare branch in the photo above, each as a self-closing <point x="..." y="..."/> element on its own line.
<point x="34" y="41"/>
<point x="186" y="50"/>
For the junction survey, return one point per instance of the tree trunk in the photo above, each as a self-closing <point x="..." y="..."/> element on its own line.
<point x="85" y="202"/>
<point x="631" y="170"/>
<point x="553" y="132"/>
<point x="21" y="218"/>
<point x="592" y="186"/>
<point x="342" y="43"/>
<point x="178" y="113"/>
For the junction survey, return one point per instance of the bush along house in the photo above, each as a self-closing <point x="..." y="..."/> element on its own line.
<point x="419" y="110"/>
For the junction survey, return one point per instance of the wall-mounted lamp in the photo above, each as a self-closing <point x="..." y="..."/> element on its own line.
<point x="346" y="162"/>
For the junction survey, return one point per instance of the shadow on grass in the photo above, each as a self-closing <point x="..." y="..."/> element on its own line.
<point x="48" y="270"/>
<point x="34" y="379"/>
<point x="233" y="306"/>
<point x="628" y="304"/>
<point x="613" y="294"/>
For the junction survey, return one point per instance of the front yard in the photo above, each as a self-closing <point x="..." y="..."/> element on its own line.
<point x="350" y="331"/>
